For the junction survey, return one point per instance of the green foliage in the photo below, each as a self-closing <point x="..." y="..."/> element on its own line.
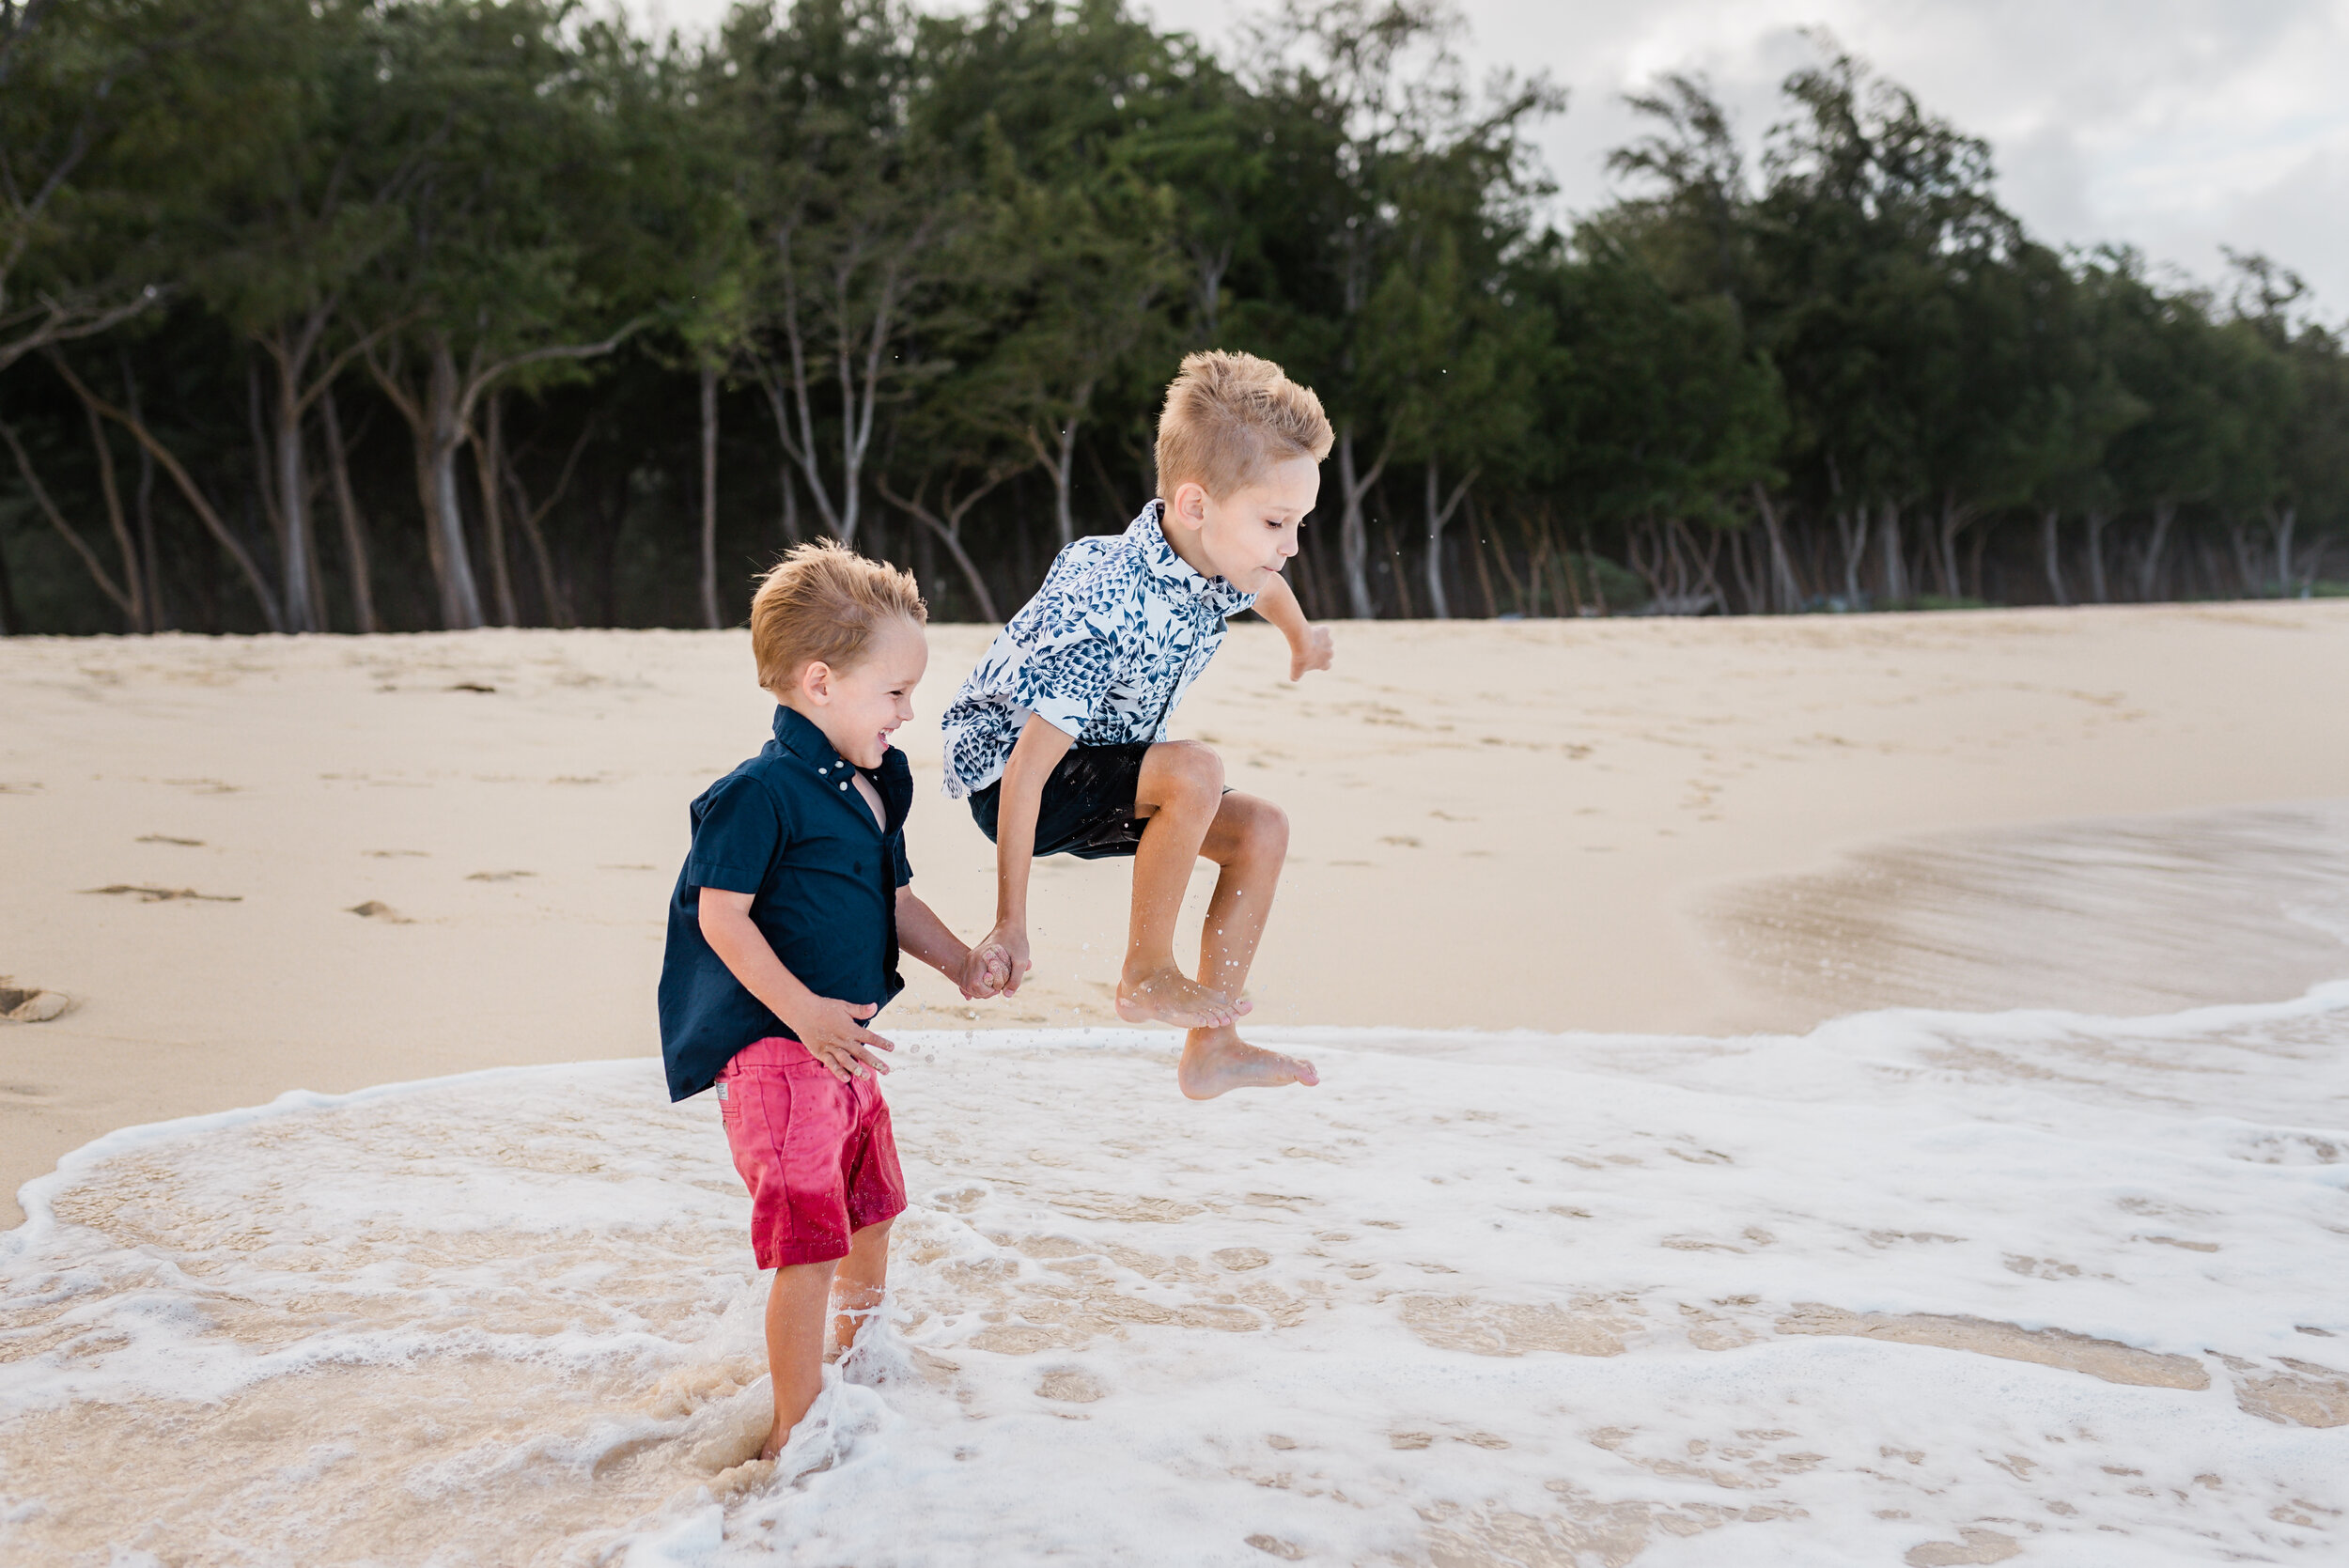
<point x="356" y="313"/>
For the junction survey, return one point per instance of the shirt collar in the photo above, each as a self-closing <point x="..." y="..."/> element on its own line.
<point x="799" y="736"/>
<point x="1147" y="535"/>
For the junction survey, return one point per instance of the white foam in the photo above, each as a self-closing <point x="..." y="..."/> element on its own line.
<point x="1518" y="1297"/>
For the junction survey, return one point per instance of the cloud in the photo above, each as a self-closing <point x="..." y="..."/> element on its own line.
<point x="2173" y="125"/>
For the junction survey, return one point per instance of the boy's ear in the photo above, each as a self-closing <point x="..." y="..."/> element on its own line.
<point x="816" y="681"/>
<point x="1189" y="503"/>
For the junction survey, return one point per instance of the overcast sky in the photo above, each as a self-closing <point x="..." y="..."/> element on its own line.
<point x="2177" y="125"/>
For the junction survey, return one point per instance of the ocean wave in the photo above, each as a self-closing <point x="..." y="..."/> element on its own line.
<point x="1915" y="1287"/>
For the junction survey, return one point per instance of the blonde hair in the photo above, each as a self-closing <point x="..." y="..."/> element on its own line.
<point x="820" y="603"/>
<point x="1228" y="417"/>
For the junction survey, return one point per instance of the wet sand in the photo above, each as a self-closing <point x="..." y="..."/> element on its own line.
<point x="2121" y="917"/>
<point x="257" y="865"/>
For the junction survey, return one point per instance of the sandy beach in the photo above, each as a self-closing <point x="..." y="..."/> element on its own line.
<point x="1708" y="1234"/>
<point x="1552" y="826"/>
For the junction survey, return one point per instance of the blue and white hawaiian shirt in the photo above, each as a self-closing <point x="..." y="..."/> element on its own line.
<point x="1104" y="651"/>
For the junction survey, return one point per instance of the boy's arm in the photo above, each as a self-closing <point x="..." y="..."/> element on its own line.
<point x="1039" y="749"/>
<point x="920" y="933"/>
<point x="832" y="1031"/>
<point x="1310" y="647"/>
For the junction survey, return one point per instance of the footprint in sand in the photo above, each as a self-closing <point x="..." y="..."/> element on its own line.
<point x="162" y="895"/>
<point x="29" y="1004"/>
<point x="376" y="909"/>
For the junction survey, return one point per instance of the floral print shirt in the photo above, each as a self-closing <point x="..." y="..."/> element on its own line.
<point x="1104" y="651"/>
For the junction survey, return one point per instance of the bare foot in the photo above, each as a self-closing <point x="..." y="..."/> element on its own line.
<point x="1217" y="1060"/>
<point x="1165" y="995"/>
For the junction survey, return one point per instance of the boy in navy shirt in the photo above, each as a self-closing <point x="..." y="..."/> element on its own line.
<point x="784" y="936"/>
<point x="1059" y="738"/>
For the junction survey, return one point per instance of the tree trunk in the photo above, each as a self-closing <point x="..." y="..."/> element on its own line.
<point x="145" y="502"/>
<point x="1896" y="589"/>
<point x="971" y="576"/>
<point x="1402" y="578"/>
<point x="790" y="490"/>
<point x="1570" y="600"/>
<point x="2049" y="551"/>
<point x="354" y="526"/>
<point x="948" y="529"/>
<point x="296" y="534"/>
<point x="489" y="457"/>
<point x="202" y="507"/>
<point x="1438" y="516"/>
<point x="1851" y="528"/>
<point x="437" y="436"/>
<point x="1702" y="590"/>
<point x="10" y="622"/>
<point x="1785" y="594"/>
<point x="2149" y="569"/>
<point x="2097" y="519"/>
<point x="2280" y="524"/>
<point x="553" y="604"/>
<point x="2245" y="574"/>
<point x="1751" y="579"/>
<point x="710" y="497"/>
<point x="438" y="419"/>
<point x="134" y="575"/>
<point x="1509" y="575"/>
<point x="1438" y="606"/>
<point x="1353" y="534"/>
<point x="799" y="449"/>
<point x="1953" y="520"/>
<point x="1059" y="459"/>
<point x="96" y="568"/>
<point x="2317" y="552"/>
<point x="1483" y="572"/>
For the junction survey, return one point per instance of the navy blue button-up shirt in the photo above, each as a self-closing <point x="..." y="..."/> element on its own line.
<point x="789" y="828"/>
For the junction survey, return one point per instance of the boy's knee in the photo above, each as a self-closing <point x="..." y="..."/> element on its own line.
<point x="1265" y="828"/>
<point x="1192" y="768"/>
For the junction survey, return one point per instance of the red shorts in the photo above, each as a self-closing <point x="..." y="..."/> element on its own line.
<point x="816" y="1154"/>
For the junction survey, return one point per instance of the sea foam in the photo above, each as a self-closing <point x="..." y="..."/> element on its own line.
<point x="1916" y="1287"/>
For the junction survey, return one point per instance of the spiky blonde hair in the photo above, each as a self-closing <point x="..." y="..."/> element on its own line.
<point x="821" y="603"/>
<point x="1228" y="417"/>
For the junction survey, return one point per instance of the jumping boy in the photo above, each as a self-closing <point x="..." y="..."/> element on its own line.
<point x="1059" y="741"/>
<point x="783" y="934"/>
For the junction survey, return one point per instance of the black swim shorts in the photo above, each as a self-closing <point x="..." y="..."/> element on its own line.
<point x="1088" y="805"/>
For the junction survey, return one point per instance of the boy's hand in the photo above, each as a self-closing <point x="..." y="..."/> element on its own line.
<point x="833" y="1033"/>
<point x="1310" y="649"/>
<point x="1006" y="949"/>
<point x="982" y="973"/>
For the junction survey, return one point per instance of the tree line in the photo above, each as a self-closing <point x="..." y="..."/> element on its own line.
<point x="360" y="314"/>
